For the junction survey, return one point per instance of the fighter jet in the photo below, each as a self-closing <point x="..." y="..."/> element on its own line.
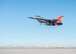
<point x="49" y="22"/>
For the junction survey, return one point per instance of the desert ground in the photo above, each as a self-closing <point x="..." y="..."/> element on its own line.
<point x="37" y="51"/>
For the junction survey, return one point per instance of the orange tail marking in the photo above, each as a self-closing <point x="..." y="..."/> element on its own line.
<point x="60" y="18"/>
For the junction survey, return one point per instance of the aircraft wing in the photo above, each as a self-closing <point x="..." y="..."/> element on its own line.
<point x="38" y="18"/>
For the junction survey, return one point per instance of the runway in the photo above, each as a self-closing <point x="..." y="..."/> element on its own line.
<point x="36" y="51"/>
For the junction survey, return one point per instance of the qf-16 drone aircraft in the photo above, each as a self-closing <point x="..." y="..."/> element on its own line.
<point x="52" y="22"/>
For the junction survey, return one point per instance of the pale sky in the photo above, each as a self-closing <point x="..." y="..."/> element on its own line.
<point x="17" y="29"/>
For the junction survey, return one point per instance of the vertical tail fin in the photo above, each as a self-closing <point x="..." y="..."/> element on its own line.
<point x="60" y="18"/>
